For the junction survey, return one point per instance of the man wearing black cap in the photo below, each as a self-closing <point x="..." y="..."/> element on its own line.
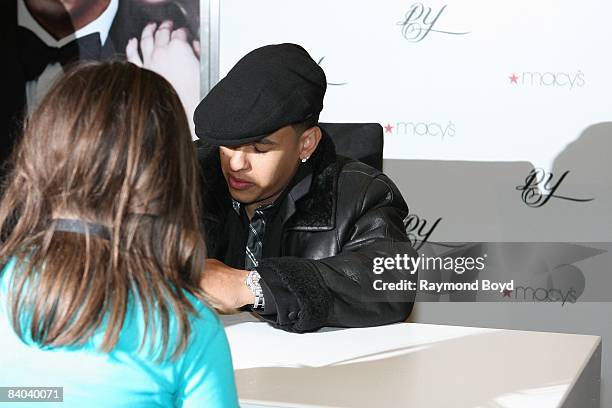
<point x="292" y="229"/>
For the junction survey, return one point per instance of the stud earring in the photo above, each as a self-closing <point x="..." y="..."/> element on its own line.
<point x="304" y="159"/>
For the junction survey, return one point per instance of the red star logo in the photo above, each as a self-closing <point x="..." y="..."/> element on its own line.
<point x="507" y="292"/>
<point x="388" y="128"/>
<point x="513" y="78"/>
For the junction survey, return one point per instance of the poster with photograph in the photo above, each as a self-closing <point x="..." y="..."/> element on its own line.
<point x="49" y="35"/>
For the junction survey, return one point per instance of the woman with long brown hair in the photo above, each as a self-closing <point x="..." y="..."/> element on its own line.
<point x="103" y="252"/>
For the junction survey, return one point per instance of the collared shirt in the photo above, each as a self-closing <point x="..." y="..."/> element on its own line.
<point x="37" y="88"/>
<point x="256" y="232"/>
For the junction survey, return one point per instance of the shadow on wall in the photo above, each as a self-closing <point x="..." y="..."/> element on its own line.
<point x="587" y="166"/>
<point x="480" y="202"/>
<point x="559" y="221"/>
<point x="463" y="201"/>
<point x="466" y="201"/>
<point x="589" y="159"/>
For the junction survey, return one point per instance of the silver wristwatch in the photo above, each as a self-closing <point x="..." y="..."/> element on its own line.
<point x="252" y="282"/>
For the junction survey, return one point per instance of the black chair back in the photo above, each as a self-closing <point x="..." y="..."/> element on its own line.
<point x="358" y="141"/>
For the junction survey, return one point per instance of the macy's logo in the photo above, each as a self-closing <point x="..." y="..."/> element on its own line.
<point x="548" y="79"/>
<point x="438" y="130"/>
<point x="545" y="295"/>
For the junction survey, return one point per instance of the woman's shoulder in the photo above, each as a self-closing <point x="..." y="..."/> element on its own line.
<point x="205" y="323"/>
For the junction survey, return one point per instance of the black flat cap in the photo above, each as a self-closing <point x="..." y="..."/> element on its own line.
<point x="270" y="87"/>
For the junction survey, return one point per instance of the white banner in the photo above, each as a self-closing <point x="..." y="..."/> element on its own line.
<point x="449" y="80"/>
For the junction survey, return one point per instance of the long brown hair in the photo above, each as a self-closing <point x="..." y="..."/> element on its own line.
<point x="109" y="144"/>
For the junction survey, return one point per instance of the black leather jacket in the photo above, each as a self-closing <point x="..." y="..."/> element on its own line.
<point x="351" y="214"/>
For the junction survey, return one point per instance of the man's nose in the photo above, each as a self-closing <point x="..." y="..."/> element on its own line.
<point x="238" y="161"/>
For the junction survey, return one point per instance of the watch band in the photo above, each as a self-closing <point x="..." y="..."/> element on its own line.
<point x="252" y="282"/>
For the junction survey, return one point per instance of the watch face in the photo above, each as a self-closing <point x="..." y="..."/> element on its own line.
<point x="252" y="281"/>
<point x="254" y="276"/>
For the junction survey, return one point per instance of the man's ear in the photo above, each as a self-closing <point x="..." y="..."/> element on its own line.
<point x="309" y="140"/>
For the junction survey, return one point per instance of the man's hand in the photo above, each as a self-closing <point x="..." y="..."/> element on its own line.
<point x="226" y="286"/>
<point x="168" y="53"/>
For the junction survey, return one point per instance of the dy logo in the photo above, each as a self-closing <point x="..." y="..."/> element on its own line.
<point x="419" y="21"/>
<point x="330" y="83"/>
<point x="539" y="187"/>
<point x="416" y="229"/>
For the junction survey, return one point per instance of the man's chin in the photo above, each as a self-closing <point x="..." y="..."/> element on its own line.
<point x="242" y="197"/>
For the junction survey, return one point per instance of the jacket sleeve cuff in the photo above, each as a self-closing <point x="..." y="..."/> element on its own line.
<point x="302" y="301"/>
<point x="270" y="302"/>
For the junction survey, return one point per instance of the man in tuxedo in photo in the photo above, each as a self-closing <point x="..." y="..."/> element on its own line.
<point x="47" y="35"/>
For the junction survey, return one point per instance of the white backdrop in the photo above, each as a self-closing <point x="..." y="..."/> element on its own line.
<point x="483" y="80"/>
<point x="451" y="80"/>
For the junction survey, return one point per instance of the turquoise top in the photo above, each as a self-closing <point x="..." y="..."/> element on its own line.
<point x="126" y="377"/>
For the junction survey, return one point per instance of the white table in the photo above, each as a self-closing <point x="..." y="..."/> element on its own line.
<point x="415" y="365"/>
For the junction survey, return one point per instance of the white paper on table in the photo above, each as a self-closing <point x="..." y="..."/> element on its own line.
<point x="257" y="344"/>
